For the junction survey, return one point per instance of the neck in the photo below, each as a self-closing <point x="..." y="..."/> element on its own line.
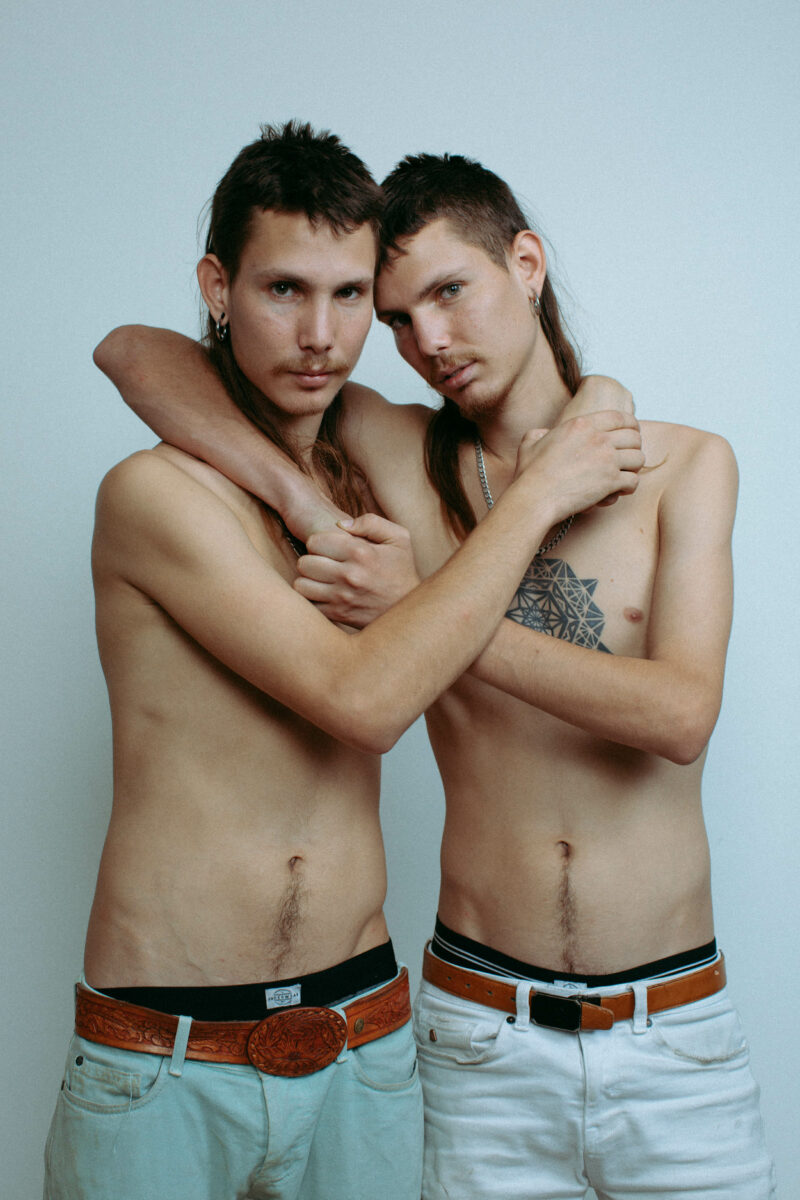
<point x="535" y="402"/>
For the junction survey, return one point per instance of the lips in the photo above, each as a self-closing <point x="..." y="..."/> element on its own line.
<point x="312" y="377"/>
<point x="455" y="377"/>
<point x="315" y="377"/>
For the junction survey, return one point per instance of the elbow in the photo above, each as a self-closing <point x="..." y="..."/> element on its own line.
<point x="116" y="349"/>
<point x="376" y="741"/>
<point x="368" y="723"/>
<point x="370" y="734"/>
<point x="685" y="735"/>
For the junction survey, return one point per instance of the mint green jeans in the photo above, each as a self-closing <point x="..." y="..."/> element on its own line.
<point x="131" y="1126"/>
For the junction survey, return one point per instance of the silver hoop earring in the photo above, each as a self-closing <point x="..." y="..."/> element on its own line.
<point x="221" y="330"/>
<point x="536" y="305"/>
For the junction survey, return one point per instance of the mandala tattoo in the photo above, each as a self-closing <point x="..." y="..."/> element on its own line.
<point x="551" y="599"/>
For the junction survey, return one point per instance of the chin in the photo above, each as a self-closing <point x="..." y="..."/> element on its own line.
<point x="477" y="404"/>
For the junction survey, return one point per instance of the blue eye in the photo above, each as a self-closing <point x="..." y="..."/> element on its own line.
<point x="451" y="290"/>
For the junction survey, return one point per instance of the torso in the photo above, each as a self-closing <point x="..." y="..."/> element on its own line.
<point x="244" y="844"/>
<point x="560" y="848"/>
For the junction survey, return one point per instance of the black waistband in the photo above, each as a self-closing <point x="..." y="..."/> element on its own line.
<point x="252" y="1001"/>
<point x="474" y="956"/>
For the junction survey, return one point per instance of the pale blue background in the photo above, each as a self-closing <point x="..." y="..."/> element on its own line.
<point x="658" y="145"/>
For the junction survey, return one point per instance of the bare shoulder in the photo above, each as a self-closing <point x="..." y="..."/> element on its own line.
<point x="700" y="480"/>
<point x="683" y="441"/>
<point x="682" y="450"/>
<point x="160" y="475"/>
<point x="375" y="428"/>
<point x="129" y="483"/>
<point x="163" y="501"/>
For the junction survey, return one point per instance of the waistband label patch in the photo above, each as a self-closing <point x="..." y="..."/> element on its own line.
<point x="282" y="997"/>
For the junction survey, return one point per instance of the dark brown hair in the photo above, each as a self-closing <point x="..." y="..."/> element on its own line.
<point x="482" y="208"/>
<point x="290" y="169"/>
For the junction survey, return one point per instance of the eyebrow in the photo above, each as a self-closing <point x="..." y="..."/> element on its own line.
<point x="429" y="286"/>
<point x="278" y="275"/>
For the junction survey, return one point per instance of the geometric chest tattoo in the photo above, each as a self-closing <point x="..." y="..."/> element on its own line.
<point x="551" y="599"/>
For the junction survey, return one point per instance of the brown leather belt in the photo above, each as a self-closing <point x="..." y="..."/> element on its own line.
<point x="293" y="1041"/>
<point x="572" y="1013"/>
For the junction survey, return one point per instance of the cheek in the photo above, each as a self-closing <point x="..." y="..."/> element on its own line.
<point x="256" y="347"/>
<point x="355" y="333"/>
<point x="404" y="343"/>
<point x="408" y="351"/>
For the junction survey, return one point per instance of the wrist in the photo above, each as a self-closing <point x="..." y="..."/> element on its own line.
<point x="539" y="502"/>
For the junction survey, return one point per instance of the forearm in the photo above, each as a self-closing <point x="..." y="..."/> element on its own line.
<point x="170" y="384"/>
<point x="648" y="704"/>
<point x="398" y="665"/>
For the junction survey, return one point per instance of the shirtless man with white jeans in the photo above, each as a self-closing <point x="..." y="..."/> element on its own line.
<point x="573" y="1026"/>
<point x="243" y="1029"/>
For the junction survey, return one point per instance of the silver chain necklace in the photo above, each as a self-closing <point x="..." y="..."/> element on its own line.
<point x="563" y="528"/>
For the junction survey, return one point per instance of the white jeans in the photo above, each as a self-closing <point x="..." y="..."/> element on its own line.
<point x="656" y="1107"/>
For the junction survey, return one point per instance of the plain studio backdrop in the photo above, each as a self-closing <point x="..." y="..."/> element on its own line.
<point x="657" y="145"/>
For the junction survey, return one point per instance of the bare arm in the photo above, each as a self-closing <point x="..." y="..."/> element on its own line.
<point x="168" y="381"/>
<point x="165" y="534"/>
<point x="665" y="703"/>
<point x="668" y="702"/>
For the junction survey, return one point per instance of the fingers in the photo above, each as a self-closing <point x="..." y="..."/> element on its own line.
<point x="630" y="460"/>
<point x="312" y="589"/>
<point x="629" y="481"/>
<point x="608" y="420"/>
<point x="338" y="542"/>
<point x="626" y="439"/>
<point x="377" y="529"/>
<point x="320" y="569"/>
<point x="332" y="543"/>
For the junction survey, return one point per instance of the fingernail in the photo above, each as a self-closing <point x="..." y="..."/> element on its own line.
<point x="345" y="522"/>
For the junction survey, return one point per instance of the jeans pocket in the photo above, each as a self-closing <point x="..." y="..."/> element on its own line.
<point x="387" y="1064"/>
<point x="707" y="1033"/>
<point x="103" y="1079"/>
<point x="447" y="1033"/>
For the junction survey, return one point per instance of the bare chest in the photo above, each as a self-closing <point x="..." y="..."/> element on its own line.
<point x="594" y="588"/>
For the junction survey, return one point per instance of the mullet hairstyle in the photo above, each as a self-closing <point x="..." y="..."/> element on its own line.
<point x="482" y="209"/>
<point x="291" y="169"/>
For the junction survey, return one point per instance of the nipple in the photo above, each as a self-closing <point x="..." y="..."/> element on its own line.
<point x="633" y="614"/>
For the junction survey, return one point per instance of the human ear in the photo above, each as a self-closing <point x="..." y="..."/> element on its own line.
<point x="528" y="259"/>
<point x="213" y="280"/>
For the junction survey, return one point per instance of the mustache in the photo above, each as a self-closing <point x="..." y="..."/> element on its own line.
<point x="313" y="366"/>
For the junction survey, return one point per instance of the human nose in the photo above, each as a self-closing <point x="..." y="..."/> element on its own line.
<point x="317" y="329"/>
<point x="430" y="334"/>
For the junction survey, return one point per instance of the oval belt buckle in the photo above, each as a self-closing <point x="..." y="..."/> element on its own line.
<point x="297" y="1042"/>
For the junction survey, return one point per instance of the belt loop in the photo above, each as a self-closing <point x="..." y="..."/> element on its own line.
<point x="523" y="1020"/>
<point x="640" y="1021"/>
<point x="179" y="1045"/>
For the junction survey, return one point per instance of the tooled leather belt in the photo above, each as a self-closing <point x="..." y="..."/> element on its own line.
<point x="291" y="1042"/>
<point x="572" y="1013"/>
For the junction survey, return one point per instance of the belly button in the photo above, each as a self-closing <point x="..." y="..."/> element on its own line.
<point x="632" y="614"/>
